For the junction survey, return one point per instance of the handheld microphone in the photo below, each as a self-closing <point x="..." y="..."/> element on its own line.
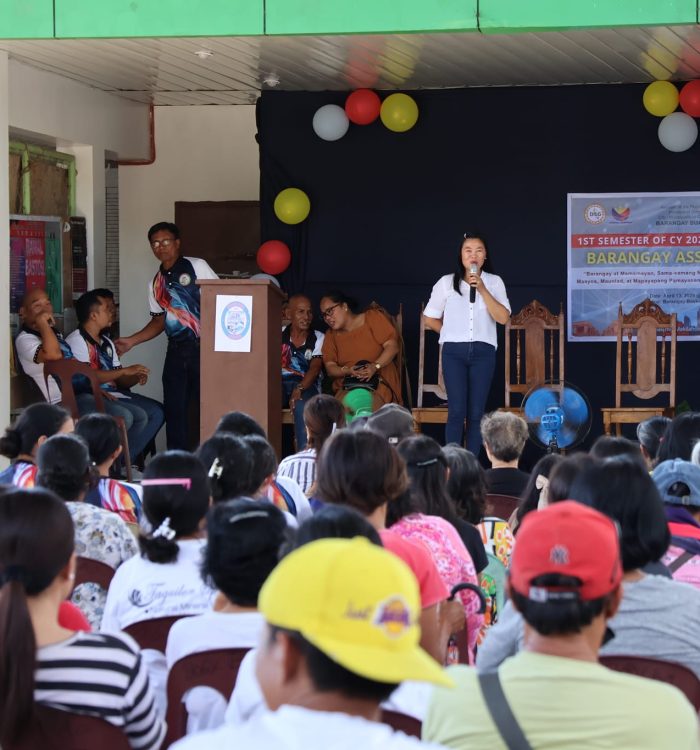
<point x="473" y="268"/>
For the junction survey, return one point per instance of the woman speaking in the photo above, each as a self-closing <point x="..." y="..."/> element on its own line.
<point x="464" y="308"/>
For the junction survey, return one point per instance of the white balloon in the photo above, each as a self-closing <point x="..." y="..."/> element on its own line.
<point x="678" y="131"/>
<point x="266" y="276"/>
<point x="331" y="122"/>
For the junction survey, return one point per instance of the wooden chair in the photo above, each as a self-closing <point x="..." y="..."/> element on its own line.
<point x="655" y="669"/>
<point x="65" y="370"/>
<point x="93" y="571"/>
<point x="152" y="633"/>
<point x="401" y="722"/>
<point x="534" y="351"/>
<point x="60" y="730"/>
<point x="501" y="506"/>
<point x="429" y="414"/>
<point x="217" y="669"/>
<point x="644" y="367"/>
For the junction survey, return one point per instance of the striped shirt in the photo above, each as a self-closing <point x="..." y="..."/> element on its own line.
<point x="301" y="467"/>
<point x="100" y="675"/>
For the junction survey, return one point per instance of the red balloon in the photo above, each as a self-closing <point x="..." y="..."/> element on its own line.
<point x="690" y="98"/>
<point x="273" y="257"/>
<point x="362" y="106"/>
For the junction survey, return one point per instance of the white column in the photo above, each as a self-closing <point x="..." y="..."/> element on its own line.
<point x="4" y="246"/>
<point x="90" y="203"/>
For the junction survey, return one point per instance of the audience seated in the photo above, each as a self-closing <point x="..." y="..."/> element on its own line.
<point x="393" y="422"/>
<point x="612" y="446"/>
<point x="360" y="470"/>
<point x="243" y="546"/>
<point x="678" y="482"/>
<point x="657" y="616"/>
<point x="90" y="344"/>
<point x="64" y="467"/>
<point x="333" y="649"/>
<point x="101" y="434"/>
<point x="20" y="442"/>
<point x="46" y="662"/>
<point x="407" y="518"/>
<point x="323" y="414"/>
<point x="504" y="435"/>
<point x="680" y="437"/>
<point x="331" y="521"/>
<point x="556" y="689"/>
<point x="228" y="460"/>
<point x="427" y="474"/>
<point x="466" y="486"/>
<point x="649" y="434"/>
<point x="536" y="493"/>
<point x="282" y="491"/>
<point x="164" y="580"/>
<point x="467" y="489"/>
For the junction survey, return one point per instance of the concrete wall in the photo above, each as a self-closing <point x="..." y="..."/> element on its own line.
<point x="203" y="154"/>
<point x="51" y="110"/>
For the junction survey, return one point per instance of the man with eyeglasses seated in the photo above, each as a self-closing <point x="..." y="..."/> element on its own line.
<point x="173" y="298"/>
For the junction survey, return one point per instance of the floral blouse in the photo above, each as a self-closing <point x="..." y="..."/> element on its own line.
<point x="452" y="560"/>
<point x="103" y="536"/>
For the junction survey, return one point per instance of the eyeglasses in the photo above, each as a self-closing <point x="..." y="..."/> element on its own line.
<point x="328" y="312"/>
<point x="164" y="243"/>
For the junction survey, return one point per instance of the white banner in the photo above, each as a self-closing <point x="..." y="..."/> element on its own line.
<point x="234" y="323"/>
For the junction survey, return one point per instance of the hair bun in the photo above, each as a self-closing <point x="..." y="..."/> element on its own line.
<point x="11" y="443"/>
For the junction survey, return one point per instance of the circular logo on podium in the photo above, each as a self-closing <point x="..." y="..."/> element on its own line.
<point x="235" y="320"/>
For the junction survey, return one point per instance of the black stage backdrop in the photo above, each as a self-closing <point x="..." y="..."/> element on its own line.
<point x="388" y="209"/>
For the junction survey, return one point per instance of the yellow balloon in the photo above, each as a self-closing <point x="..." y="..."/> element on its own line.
<point x="292" y="206"/>
<point x="399" y="112"/>
<point x="660" y="98"/>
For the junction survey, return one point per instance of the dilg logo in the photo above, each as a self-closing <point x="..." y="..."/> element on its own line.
<point x="594" y="213"/>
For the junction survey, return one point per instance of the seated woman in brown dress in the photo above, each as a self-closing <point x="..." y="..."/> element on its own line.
<point x="369" y="338"/>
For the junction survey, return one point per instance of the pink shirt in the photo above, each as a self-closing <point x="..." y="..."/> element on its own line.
<point x="453" y="562"/>
<point x="432" y="587"/>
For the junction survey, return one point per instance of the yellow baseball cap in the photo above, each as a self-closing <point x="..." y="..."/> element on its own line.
<point x="358" y="604"/>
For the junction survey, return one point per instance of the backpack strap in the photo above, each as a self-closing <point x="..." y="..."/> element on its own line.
<point x="501" y="713"/>
<point x="680" y="561"/>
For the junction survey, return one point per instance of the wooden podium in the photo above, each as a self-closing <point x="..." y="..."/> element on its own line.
<point x="243" y="381"/>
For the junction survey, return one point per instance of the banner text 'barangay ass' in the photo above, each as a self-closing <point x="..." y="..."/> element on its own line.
<point x="624" y="247"/>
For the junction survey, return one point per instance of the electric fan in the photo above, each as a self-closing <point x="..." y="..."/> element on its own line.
<point x="558" y="416"/>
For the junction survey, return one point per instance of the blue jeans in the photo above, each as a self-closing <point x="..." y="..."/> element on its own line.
<point x="288" y="385"/>
<point x="468" y="369"/>
<point x="142" y="416"/>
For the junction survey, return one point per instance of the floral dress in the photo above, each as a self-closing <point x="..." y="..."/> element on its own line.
<point x="453" y="562"/>
<point x="103" y="536"/>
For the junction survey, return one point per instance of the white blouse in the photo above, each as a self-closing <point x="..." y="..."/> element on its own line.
<point x="461" y="320"/>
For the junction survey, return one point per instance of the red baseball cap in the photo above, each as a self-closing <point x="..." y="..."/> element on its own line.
<point x="568" y="539"/>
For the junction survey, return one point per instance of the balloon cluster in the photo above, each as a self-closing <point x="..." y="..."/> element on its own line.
<point x="678" y="131"/>
<point x="398" y="112"/>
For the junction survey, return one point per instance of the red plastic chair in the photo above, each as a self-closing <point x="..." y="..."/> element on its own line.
<point x="61" y="730"/>
<point x="460" y="639"/>
<point x="657" y="669"/>
<point x="93" y="571"/>
<point x="152" y="633"/>
<point x="217" y="669"/>
<point x="501" y="506"/>
<point x="401" y="722"/>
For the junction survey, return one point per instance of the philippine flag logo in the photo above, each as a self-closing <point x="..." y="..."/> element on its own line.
<point x="621" y="213"/>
